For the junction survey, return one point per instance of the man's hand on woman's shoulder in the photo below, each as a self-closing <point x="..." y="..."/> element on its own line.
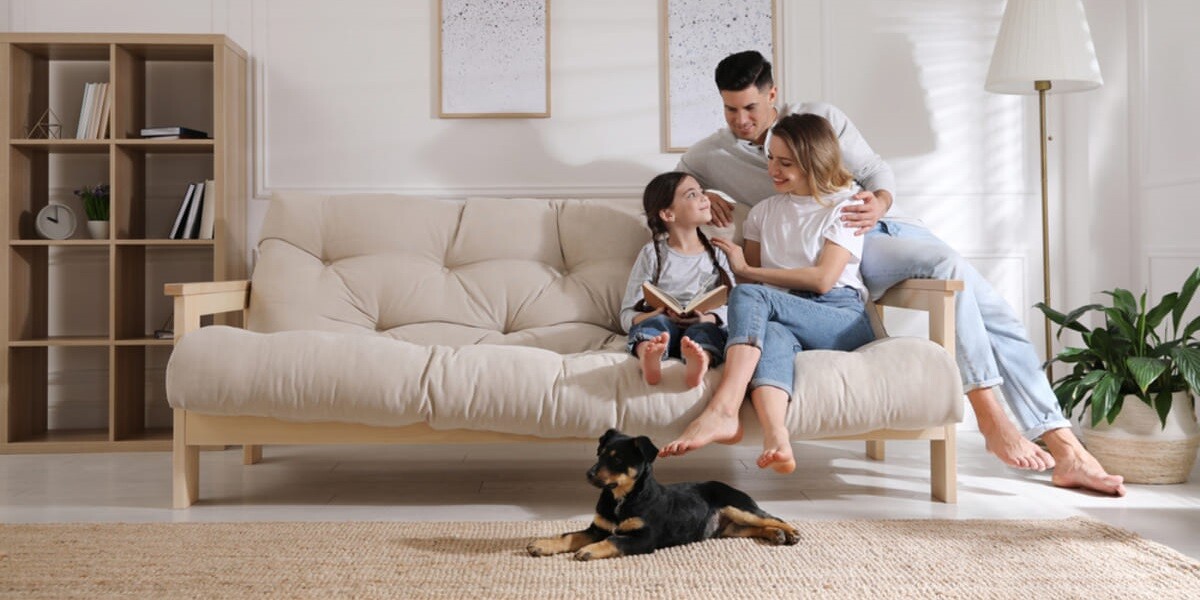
<point x="863" y="217"/>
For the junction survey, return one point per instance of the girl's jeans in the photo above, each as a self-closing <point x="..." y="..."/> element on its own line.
<point x="993" y="348"/>
<point x="709" y="336"/>
<point x="781" y="324"/>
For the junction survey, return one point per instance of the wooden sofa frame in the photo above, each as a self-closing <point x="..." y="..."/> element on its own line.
<point x="195" y="430"/>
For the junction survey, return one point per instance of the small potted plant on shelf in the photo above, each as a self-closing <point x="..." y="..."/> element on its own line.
<point x="1136" y="375"/>
<point x="95" y="204"/>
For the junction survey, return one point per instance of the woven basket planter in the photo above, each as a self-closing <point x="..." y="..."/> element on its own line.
<point x="1138" y="447"/>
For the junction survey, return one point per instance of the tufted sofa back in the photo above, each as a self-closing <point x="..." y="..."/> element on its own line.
<point x="531" y="272"/>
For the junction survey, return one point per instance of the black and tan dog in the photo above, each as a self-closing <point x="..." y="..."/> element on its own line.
<point x="638" y="515"/>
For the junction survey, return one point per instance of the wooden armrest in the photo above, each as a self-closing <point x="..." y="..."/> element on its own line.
<point x="935" y="296"/>
<point x="194" y="300"/>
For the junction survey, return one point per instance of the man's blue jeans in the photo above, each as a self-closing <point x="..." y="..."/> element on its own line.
<point x="782" y="324"/>
<point x="709" y="336"/>
<point x="993" y="348"/>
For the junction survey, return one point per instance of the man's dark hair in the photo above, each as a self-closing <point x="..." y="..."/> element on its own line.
<point x="737" y="72"/>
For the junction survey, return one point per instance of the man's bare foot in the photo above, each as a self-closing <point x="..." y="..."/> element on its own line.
<point x="710" y="426"/>
<point x="650" y="354"/>
<point x="1003" y="440"/>
<point x="697" y="362"/>
<point x="1077" y="468"/>
<point x="777" y="452"/>
<point x="1001" y="436"/>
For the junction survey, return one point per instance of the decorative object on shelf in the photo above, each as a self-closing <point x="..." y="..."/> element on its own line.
<point x="47" y="127"/>
<point x="56" y="222"/>
<point x="695" y="36"/>
<point x="1137" y="379"/>
<point x="1044" y="46"/>
<point x="493" y="59"/>
<point x="95" y="204"/>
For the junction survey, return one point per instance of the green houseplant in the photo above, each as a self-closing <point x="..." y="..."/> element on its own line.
<point x="1132" y="354"/>
<point x="95" y="204"/>
<point x="1140" y="355"/>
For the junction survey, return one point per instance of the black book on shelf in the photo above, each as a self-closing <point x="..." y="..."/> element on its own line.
<point x="191" y="230"/>
<point x="177" y="231"/>
<point x="174" y="132"/>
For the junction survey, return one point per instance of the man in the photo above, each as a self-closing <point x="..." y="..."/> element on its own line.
<point x="993" y="349"/>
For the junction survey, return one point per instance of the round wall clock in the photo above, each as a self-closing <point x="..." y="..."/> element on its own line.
<point x="56" y="222"/>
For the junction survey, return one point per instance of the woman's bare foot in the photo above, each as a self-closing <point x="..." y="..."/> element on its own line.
<point x="710" y="426"/>
<point x="1002" y="438"/>
<point x="777" y="452"/>
<point x="697" y="362"/>
<point x="650" y="354"/>
<point x="1077" y="468"/>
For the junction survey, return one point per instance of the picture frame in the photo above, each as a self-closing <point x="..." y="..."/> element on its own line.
<point x="493" y="59"/>
<point x="691" y="109"/>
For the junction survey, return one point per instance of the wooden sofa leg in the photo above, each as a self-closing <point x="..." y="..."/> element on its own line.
<point x="251" y="454"/>
<point x="185" y="466"/>
<point x="943" y="468"/>
<point x="875" y="449"/>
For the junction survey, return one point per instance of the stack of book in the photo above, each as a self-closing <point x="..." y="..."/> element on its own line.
<point x="197" y="213"/>
<point x="173" y="133"/>
<point x="93" y="111"/>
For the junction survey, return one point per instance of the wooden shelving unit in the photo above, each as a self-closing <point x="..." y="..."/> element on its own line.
<point x="27" y="331"/>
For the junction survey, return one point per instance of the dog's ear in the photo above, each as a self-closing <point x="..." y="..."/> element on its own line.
<point x="608" y="436"/>
<point x="646" y="447"/>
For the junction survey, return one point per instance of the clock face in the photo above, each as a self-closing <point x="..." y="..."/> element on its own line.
<point x="56" y="222"/>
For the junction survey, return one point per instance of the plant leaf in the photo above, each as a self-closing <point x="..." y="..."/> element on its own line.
<point x="1104" y="395"/>
<point x="1187" y="360"/>
<point x="1191" y="329"/>
<point x="1123" y="301"/>
<point x="1122" y="323"/>
<point x="1162" y="405"/>
<point x="1185" y="297"/>
<point x="1068" y="321"/>
<point x="1145" y="370"/>
<point x="1165" y="306"/>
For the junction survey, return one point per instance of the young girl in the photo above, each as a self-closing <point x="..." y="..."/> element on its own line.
<point x="680" y="260"/>
<point x="808" y="293"/>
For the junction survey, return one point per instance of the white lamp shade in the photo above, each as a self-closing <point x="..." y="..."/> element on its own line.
<point x="1043" y="40"/>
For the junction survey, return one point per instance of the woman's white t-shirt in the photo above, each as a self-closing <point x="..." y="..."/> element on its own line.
<point x="792" y="230"/>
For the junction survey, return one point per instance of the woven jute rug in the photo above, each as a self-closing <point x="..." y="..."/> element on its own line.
<point x="1074" y="558"/>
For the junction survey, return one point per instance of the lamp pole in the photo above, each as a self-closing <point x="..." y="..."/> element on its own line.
<point x="1042" y="86"/>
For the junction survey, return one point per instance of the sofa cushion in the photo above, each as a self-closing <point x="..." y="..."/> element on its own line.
<point x="541" y="273"/>
<point x="314" y="376"/>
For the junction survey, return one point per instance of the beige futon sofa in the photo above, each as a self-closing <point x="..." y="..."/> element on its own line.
<point x="381" y="318"/>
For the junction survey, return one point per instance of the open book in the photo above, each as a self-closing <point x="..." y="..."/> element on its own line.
<point x="659" y="298"/>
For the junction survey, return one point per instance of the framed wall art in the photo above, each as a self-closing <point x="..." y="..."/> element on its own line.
<point x="695" y="36"/>
<point x="493" y="59"/>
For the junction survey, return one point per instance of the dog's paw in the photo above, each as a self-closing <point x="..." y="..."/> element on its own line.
<point x="585" y="555"/>
<point x="787" y="536"/>
<point x="543" y="548"/>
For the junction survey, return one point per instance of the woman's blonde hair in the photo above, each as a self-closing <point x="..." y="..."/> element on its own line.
<point x="815" y="146"/>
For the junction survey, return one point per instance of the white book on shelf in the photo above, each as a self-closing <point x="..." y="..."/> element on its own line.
<point x="84" y="111"/>
<point x="94" y="117"/>
<point x="105" y="109"/>
<point x="208" y="212"/>
<point x="192" y="227"/>
<point x="181" y="217"/>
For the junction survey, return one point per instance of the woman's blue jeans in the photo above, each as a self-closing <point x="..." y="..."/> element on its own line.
<point x="709" y="336"/>
<point x="993" y="348"/>
<point x="781" y="324"/>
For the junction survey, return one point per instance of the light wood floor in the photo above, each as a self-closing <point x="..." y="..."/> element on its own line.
<point x="546" y="481"/>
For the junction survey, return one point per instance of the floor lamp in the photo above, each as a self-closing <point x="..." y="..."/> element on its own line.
<point x="1044" y="46"/>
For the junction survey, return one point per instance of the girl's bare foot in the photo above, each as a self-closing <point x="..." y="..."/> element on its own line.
<point x="710" y="426"/>
<point x="650" y="353"/>
<point x="1077" y="468"/>
<point x="777" y="452"/>
<point x="1001" y="437"/>
<point x="697" y="362"/>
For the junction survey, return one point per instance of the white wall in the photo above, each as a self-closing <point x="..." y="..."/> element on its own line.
<point x="343" y="100"/>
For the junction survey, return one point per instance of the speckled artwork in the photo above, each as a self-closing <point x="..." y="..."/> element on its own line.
<point x="699" y="34"/>
<point x="494" y="58"/>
